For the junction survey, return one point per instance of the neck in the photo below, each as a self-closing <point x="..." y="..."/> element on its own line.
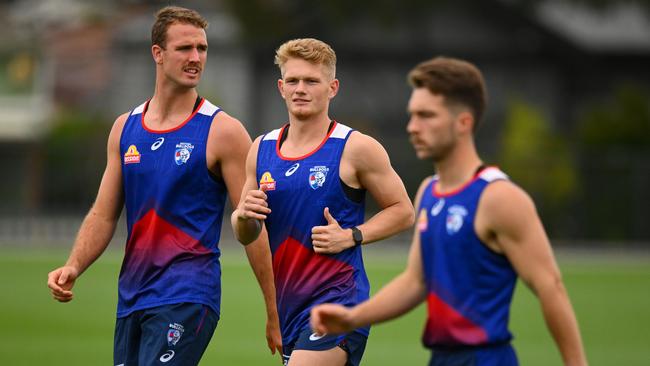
<point x="304" y="131"/>
<point x="457" y="168"/>
<point x="169" y="108"/>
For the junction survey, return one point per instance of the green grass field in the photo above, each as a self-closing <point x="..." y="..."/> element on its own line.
<point x="611" y="298"/>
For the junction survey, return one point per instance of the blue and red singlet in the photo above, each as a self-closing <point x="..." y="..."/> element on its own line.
<point x="174" y="209"/>
<point x="469" y="286"/>
<point x="298" y="190"/>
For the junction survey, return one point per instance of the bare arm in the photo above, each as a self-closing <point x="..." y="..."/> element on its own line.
<point x="508" y="222"/>
<point x="98" y="226"/>
<point x="229" y="142"/>
<point x="398" y="297"/>
<point x="246" y="219"/>
<point x="366" y="164"/>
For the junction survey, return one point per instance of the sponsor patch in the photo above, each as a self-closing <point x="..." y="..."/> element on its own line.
<point x="267" y="183"/>
<point x="423" y="220"/>
<point x="159" y="141"/>
<point x="132" y="156"/>
<point x="183" y="152"/>
<point x="292" y="170"/>
<point x="455" y="218"/>
<point x="317" y="176"/>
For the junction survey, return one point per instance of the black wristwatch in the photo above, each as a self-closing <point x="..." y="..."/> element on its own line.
<point x="357" y="236"/>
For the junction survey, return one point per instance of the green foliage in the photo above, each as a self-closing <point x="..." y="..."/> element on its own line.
<point x="536" y="157"/>
<point x="75" y="157"/>
<point x="621" y="121"/>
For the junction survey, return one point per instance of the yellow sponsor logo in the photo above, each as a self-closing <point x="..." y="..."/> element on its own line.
<point x="267" y="183"/>
<point x="132" y="155"/>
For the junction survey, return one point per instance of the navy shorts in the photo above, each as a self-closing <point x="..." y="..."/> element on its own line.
<point x="175" y="334"/>
<point x="354" y="344"/>
<point x="491" y="355"/>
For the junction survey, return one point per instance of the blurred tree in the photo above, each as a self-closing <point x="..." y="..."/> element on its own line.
<point x="539" y="160"/>
<point x="614" y="136"/>
<point x="76" y="147"/>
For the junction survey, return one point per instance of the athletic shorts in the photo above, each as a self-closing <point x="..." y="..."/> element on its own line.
<point x="354" y="344"/>
<point x="491" y="355"/>
<point x="175" y="334"/>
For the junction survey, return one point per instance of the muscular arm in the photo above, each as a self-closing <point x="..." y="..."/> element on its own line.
<point x="398" y="297"/>
<point x="229" y="143"/>
<point x="508" y="222"/>
<point x="365" y="164"/>
<point x="98" y="226"/>
<point x="246" y="219"/>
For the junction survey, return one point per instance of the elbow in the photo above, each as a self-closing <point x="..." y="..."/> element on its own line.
<point x="408" y="218"/>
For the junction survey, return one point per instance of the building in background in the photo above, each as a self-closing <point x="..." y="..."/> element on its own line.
<point x="563" y="80"/>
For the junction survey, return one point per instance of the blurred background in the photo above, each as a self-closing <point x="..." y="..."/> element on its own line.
<point x="568" y="116"/>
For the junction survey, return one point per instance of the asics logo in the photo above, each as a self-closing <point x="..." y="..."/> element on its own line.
<point x="167" y="356"/>
<point x="157" y="144"/>
<point x="292" y="170"/>
<point x="435" y="210"/>
<point x="314" y="337"/>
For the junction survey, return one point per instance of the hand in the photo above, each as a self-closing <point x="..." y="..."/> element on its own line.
<point x="60" y="281"/>
<point x="331" y="239"/>
<point x="253" y="206"/>
<point x="331" y="319"/>
<point x="273" y="336"/>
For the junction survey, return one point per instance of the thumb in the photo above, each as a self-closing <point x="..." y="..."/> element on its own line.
<point x="63" y="278"/>
<point x="330" y="219"/>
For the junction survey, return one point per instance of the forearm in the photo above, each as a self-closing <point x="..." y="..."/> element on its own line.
<point x="94" y="236"/>
<point x="561" y="321"/>
<point x="259" y="257"/>
<point x="388" y="222"/>
<point x="398" y="297"/>
<point x="246" y="230"/>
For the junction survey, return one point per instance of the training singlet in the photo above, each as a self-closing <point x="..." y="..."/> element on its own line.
<point x="174" y="209"/>
<point x="469" y="286"/>
<point x="298" y="190"/>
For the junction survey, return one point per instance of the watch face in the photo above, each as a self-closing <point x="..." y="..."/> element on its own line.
<point x="357" y="236"/>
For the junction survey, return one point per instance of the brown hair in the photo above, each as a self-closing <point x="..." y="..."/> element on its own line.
<point x="460" y="82"/>
<point x="308" y="49"/>
<point x="170" y="15"/>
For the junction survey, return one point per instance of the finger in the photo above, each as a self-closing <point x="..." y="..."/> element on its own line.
<point x="318" y="229"/>
<point x="330" y="219"/>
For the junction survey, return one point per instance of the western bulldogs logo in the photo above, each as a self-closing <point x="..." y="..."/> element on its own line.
<point x="174" y="334"/>
<point x="183" y="152"/>
<point x="455" y="218"/>
<point x="317" y="176"/>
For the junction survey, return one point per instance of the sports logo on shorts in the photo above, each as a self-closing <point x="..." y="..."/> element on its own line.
<point x="183" y="152"/>
<point x="131" y="156"/>
<point x="174" y="334"/>
<point x="455" y="217"/>
<point x="267" y="183"/>
<point x="314" y="337"/>
<point x="317" y="176"/>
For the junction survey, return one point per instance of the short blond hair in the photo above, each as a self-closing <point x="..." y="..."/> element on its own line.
<point x="309" y="49"/>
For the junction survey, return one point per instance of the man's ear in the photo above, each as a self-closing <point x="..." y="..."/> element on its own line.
<point x="156" y="52"/>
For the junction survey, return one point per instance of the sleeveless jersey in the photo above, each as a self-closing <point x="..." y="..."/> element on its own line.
<point x="298" y="190"/>
<point x="174" y="209"/>
<point x="469" y="286"/>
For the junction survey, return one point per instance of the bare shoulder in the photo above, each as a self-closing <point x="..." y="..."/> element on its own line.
<point x="420" y="191"/>
<point x="118" y="126"/>
<point x="504" y="203"/>
<point x="227" y="129"/>
<point x="363" y="151"/>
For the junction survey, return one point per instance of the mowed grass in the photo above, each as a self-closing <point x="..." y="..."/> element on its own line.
<point x="611" y="298"/>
